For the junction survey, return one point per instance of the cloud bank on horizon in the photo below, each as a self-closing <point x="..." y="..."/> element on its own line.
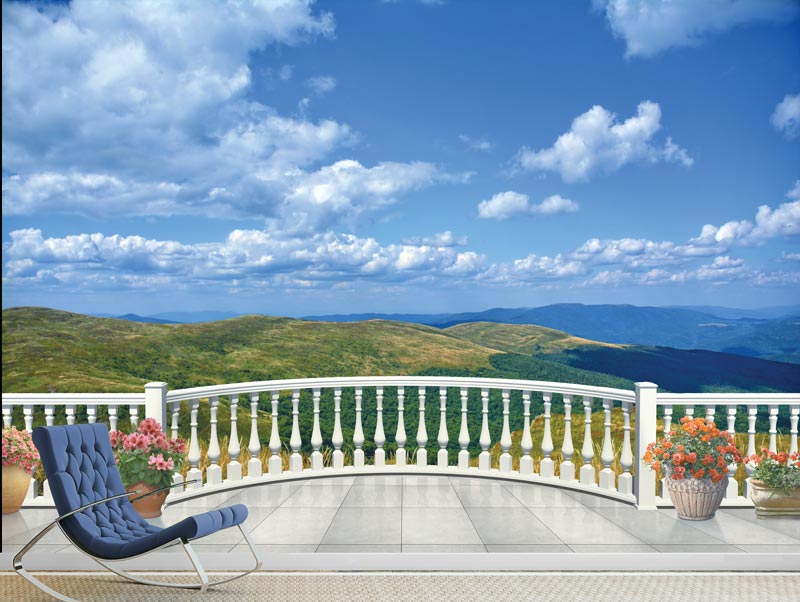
<point x="192" y="151"/>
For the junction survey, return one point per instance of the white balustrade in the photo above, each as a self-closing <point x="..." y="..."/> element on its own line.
<point x="254" y="468"/>
<point x="134" y="413"/>
<point x="358" y="433"/>
<point x="7" y="416"/>
<point x="338" y="438"/>
<point x="234" y="467"/>
<point x="400" y="435"/>
<point x="587" y="472"/>
<point x="773" y="428"/>
<point x="793" y="420"/>
<point x="275" y="464"/>
<point x="380" y="437"/>
<point x="422" y="431"/>
<point x="732" y="492"/>
<point x="176" y="412"/>
<point x="667" y="420"/>
<point x="112" y="416"/>
<point x="567" y="468"/>
<point x="526" y="462"/>
<point x="463" y="434"/>
<point x="607" y="476"/>
<point x="752" y="412"/>
<point x="214" y="470"/>
<point x="316" y="434"/>
<point x="485" y="458"/>
<point x="194" y="472"/>
<point x="91" y="414"/>
<point x="69" y="409"/>
<point x="625" y="480"/>
<point x="296" y="460"/>
<point x="443" y="439"/>
<point x="547" y="466"/>
<point x="505" y="438"/>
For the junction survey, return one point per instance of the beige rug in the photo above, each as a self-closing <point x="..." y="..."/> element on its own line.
<point x="429" y="587"/>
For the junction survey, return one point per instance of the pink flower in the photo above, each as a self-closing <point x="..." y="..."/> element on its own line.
<point x="149" y="426"/>
<point x="142" y="442"/>
<point x="178" y="446"/>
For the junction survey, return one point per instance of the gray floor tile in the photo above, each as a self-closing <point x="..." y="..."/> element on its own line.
<point x="529" y="549"/>
<point x="447" y="548"/>
<point x="583" y="526"/>
<point x="733" y="530"/>
<point x="364" y="526"/>
<point x="383" y="496"/>
<point x="612" y="549"/>
<point x="541" y="496"/>
<point x="330" y="481"/>
<point x="13" y="548"/>
<point x="510" y="526"/>
<point x="271" y="494"/>
<point x="276" y="548"/>
<point x="430" y="496"/>
<point x="703" y="548"/>
<point x="591" y="500"/>
<point x="783" y="524"/>
<point x="655" y="527"/>
<point x="359" y="548"/>
<point x="438" y="526"/>
<point x="768" y="548"/>
<point x="495" y="496"/>
<point x="319" y="496"/>
<point x="429" y="480"/>
<point x="378" y="479"/>
<point x="294" y="526"/>
<point x="201" y="547"/>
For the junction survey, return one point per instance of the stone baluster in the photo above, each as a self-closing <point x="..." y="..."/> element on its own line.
<point x="526" y="462"/>
<point x="732" y="492"/>
<point x="91" y="414"/>
<point x="112" y="415"/>
<point x="176" y="410"/>
<point x="547" y="466"/>
<point x="422" y="431"/>
<point x="275" y="464"/>
<point x="689" y="411"/>
<point x="485" y="458"/>
<point x="793" y="419"/>
<point x="710" y="412"/>
<point x="587" y="471"/>
<point x="607" y="476"/>
<point x="443" y="439"/>
<point x="27" y="411"/>
<point x="400" y="435"/>
<point x="134" y="410"/>
<point x="338" y="438"/>
<point x="254" y="468"/>
<point x="70" y="410"/>
<point x="316" y="434"/>
<point x="214" y="470"/>
<point x="625" y="480"/>
<point x="773" y="428"/>
<point x="505" y="437"/>
<point x="194" y="446"/>
<point x="667" y="420"/>
<point x="752" y="411"/>
<point x="358" y="433"/>
<point x="7" y="416"/>
<point x="567" y="468"/>
<point x="463" y="434"/>
<point x="295" y="441"/>
<point x="380" y="436"/>
<point x="234" y="467"/>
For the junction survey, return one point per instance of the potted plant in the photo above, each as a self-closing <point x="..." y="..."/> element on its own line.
<point x="20" y="457"/>
<point x="147" y="459"/>
<point x="695" y="461"/>
<point x="775" y="483"/>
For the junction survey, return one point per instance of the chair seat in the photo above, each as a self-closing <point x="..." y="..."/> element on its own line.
<point x="199" y="525"/>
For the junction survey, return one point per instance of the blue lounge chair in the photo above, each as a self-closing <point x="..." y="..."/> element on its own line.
<point x="98" y="518"/>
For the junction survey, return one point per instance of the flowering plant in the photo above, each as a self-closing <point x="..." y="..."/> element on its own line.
<point x="699" y="450"/>
<point x="147" y="455"/>
<point x="19" y="450"/>
<point x="779" y="471"/>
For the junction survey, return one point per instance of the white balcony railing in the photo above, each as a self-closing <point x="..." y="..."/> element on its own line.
<point x="596" y="467"/>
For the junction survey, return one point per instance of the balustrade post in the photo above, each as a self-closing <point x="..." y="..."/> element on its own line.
<point x="547" y="466"/>
<point x="422" y="431"/>
<point x="155" y="403"/>
<point x="567" y="468"/>
<point x="337" y="439"/>
<point x="463" y="435"/>
<point x="773" y="427"/>
<point x="380" y="436"/>
<point x="505" y="437"/>
<point x="662" y="484"/>
<point x="587" y="472"/>
<point x="644" y="484"/>
<point x="793" y="420"/>
<point x="214" y="470"/>
<point x="27" y="412"/>
<point x="134" y="412"/>
<point x="485" y="458"/>
<point x="112" y="416"/>
<point x="70" y="410"/>
<point x="7" y="416"/>
<point x="296" y="442"/>
<point x="91" y="415"/>
<point x="358" y="433"/>
<point x="176" y="410"/>
<point x="234" y="467"/>
<point x="194" y="447"/>
<point x="625" y="481"/>
<point x="607" y="476"/>
<point x="443" y="439"/>
<point x="752" y="412"/>
<point x="316" y="434"/>
<point x="400" y="435"/>
<point x="275" y="464"/>
<point x="526" y="462"/>
<point x="732" y="492"/>
<point x="254" y="467"/>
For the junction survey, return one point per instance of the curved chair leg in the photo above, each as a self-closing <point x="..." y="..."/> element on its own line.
<point x="30" y="578"/>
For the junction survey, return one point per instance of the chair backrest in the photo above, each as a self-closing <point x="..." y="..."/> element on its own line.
<point x="79" y="464"/>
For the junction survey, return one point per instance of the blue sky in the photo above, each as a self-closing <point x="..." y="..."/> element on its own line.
<point x="301" y="157"/>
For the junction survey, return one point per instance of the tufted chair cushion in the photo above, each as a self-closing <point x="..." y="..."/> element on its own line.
<point x="79" y="464"/>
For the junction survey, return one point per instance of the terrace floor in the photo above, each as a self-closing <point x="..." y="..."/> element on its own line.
<point x="410" y="514"/>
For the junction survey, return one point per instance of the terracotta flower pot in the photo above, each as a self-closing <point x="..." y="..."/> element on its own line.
<point x="149" y="507"/>
<point x="15" y="485"/>
<point x="696" y="499"/>
<point x="770" y="502"/>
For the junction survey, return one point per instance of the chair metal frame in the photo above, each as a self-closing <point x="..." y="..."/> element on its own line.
<point x="198" y="567"/>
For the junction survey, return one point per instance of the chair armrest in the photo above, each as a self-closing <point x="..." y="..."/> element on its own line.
<point x="162" y="489"/>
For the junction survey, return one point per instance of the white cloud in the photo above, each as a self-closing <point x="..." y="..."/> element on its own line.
<point x="597" y="142"/>
<point x="504" y="205"/>
<point x="321" y="84"/>
<point x="478" y="144"/>
<point x="786" y="117"/>
<point x="652" y="26"/>
<point x="286" y="72"/>
<point x="440" y="239"/>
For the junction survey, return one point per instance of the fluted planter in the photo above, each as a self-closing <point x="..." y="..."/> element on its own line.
<point x="696" y="499"/>
<point x="15" y="485"/>
<point x="771" y="502"/>
<point x="149" y="507"/>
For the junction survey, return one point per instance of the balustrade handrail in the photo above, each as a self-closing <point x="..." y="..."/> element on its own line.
<point x="401" y="381"/>
<point x="727" y="398"/>
<point x="86" y="399"/>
